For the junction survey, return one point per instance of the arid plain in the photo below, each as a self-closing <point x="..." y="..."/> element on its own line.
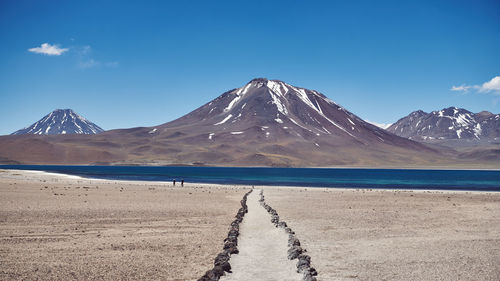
<point x="55" y="227"/>
<point x="395" y="235"/>
<point x="59" y="228"/>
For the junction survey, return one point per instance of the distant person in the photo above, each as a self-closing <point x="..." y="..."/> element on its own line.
<point x="182" y="182"/>
<point x="174" y="182"/>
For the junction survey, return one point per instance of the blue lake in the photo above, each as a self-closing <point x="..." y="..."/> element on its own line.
<point x="483" y="180"/>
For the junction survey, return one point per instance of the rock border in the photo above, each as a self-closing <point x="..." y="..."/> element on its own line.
<point x="295" y="251"/>
<point x="221" y="262"/>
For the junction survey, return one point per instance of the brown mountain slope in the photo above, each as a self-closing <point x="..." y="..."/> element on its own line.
<point x="264" y="123"/>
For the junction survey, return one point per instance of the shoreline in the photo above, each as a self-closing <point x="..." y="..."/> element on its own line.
<point x="202" y="184"/>
<point x="427" y="168"/>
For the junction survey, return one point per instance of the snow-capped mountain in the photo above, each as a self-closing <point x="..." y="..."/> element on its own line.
<point x="274" y="110"/>
<point x="270" y="122"/>
<point x="61" y="121"/>
<point x="448" y="124"/>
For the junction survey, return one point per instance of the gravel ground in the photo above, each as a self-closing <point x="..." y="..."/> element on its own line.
<point x="263" y="248"/>
<point x="55" y="227"/>
<point x="394" y="235"/>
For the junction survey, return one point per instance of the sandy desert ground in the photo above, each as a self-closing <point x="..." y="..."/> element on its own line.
<point x="56" y="227"/>
<point x="62" y="228"/>
<point x="395" y="235"/>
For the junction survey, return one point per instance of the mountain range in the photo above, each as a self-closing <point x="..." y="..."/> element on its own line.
<point x="452" y="126"/>
<point x="263" y="123"/>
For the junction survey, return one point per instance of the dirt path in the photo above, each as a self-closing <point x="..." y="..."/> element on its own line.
<point x="263" y="248"/>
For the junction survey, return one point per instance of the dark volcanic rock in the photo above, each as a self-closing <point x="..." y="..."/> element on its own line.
<point x="304" y="262"/>
<point x="294" y="252"/>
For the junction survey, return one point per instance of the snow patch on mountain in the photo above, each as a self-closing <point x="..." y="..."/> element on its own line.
<point x="224" y="120"/>
<point x="279" y="105"/>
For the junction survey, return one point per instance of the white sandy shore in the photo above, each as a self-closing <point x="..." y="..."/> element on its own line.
<point x="43" y="174"/>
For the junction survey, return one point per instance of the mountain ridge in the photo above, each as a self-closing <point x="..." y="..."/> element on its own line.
<point x="449" y="125"/>
<point x="263" y="123"/>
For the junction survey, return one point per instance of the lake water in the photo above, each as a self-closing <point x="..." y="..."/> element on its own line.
<point x="310" y="177"/>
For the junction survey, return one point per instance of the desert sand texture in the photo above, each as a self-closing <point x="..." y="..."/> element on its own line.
<point x="394" y="235"/>
<point x="55" y="227"/>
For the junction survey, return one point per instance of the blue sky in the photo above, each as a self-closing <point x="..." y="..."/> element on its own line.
<point x="124" y="64"/>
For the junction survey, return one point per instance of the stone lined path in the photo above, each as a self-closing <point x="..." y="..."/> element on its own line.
<point x="263" y="248"/>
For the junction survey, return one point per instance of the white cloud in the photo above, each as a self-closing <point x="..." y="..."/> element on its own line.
<point x="83" y="54"/>
<point x="492" y="86"/>
<point x="461" y="88"/>
<point x="380" y="125"/>
<point x="47" y="49"/>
